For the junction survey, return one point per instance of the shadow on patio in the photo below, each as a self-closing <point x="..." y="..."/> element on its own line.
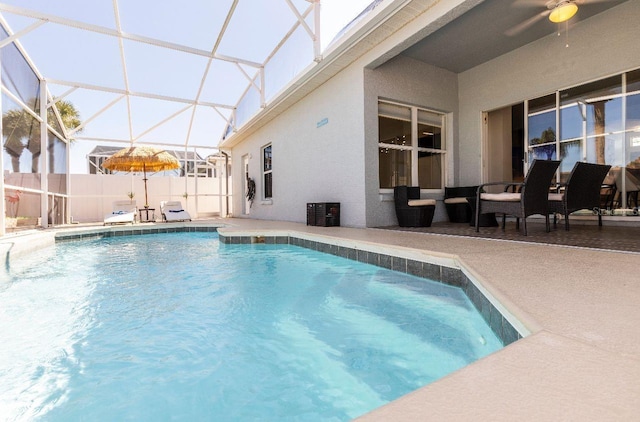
<point x="608" y="237"/>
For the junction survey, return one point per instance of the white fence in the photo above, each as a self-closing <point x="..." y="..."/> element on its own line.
<point x="92" y="195"/>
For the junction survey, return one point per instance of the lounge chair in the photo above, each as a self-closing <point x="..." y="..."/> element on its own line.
<point x="531" y="196"/>
<point x="410" y="209"/>
<point x="582" y="191"/>
<point x="123" y="212"/>
<point x="173" y="211"/>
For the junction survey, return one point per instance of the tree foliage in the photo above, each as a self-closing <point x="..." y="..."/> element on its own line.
<point x="21" y="130"/>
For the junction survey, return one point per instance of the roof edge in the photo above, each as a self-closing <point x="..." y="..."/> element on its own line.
<point x="320" y="71"/>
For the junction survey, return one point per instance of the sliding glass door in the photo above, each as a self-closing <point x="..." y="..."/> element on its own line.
<point x="597" y="122"/>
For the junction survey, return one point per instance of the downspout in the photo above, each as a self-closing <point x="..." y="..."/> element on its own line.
<point x="226" y="177"/>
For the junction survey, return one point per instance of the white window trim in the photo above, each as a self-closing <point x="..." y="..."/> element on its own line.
<point x="265" y="200"/>
<point x="415" y="149"/>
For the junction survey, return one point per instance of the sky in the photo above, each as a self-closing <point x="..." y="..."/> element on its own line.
<point x="64" y="53"/>
<point x="336" y="14"/>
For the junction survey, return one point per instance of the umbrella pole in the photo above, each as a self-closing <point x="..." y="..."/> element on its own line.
<point x="146" y="201"/>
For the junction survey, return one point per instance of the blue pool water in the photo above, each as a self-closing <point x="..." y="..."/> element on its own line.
<point x="181" y="327"/>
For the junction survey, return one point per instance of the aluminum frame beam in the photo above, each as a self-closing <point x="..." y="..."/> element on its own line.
<point x="257" y="81"/>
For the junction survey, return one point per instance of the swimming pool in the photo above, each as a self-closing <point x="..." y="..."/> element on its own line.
<point x="180" y="326"/>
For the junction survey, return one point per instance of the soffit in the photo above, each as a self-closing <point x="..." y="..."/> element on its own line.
<point x="484" y="32"/>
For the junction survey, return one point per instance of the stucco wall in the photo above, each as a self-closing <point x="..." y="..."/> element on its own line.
<point x="411" y="82"/>
<point x="600" y="46"/>
<point x="311" y="163"/>
<point x="339" y="161"/>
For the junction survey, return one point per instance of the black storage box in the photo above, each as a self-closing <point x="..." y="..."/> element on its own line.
<point x="323" y="214"/>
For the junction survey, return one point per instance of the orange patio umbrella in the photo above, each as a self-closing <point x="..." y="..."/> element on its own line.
<point x="142" y="159"/>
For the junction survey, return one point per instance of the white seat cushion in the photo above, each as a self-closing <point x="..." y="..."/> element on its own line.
<point x="502" y="196"/>
<point x="421" y="202"/>
<point x="556" y="196"/>
<point x="456" y="201"/>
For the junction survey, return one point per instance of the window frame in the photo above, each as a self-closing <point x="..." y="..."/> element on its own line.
<point x="617" y="91"/>
<point x="267" y="172"/>
<point x="414" y="147"/>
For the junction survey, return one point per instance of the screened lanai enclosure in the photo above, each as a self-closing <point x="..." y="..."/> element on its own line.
<point x="108" y="74"/>
<point x="81" y="80"/>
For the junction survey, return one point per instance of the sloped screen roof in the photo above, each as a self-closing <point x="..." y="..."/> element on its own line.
<point x="157" y="72"/>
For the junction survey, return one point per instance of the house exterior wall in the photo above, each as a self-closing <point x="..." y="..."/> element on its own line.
<point x="338" y="162"/>
<point x="601" y="46"/>
<point x="312" y="162"/>
<point x="412" y="82"/>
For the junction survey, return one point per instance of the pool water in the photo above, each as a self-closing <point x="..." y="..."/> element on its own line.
<point x="180" y="326"/>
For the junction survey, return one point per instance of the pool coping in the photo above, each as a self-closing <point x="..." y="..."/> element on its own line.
<point x="106" y="232"/>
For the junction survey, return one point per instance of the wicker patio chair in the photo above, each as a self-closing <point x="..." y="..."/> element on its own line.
<point x="631" y="186"/>
<point x="608" y="191"/>
<point x="581" y="191"/>
<point x="532" y="198"/>
<point x="410" y="209"/>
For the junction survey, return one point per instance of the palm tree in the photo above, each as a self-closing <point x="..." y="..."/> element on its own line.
<point x="548" y="137"/>
<point x="19" y="126"/>
<point x="69" y="115"/>
<point x="599" y="120"/>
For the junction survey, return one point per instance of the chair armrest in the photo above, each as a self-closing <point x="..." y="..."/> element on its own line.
<point x="505" y="184"/>
<point x="515" y="186"/>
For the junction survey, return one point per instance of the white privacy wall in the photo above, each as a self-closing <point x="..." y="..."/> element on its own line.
<point x="311" y="163"/>
<point x="92" y="195"/>
<point x="601" y="46"/>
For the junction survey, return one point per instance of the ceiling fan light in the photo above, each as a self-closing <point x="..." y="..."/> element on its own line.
<point x="563" y="12"/>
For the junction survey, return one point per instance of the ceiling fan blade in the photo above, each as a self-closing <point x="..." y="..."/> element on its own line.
<point x="515" y="30"/>
<point x="585" y="2"/>
<point x="529" y="3"/>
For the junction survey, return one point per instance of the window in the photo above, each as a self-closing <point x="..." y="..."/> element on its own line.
<point x="596" y="122"/>
<point x="267" y="185"/>
<point x="410" y="147"/>
<point x="542" y="128"/>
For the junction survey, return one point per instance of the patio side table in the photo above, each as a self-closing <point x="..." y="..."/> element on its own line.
<point x="145" y="212"/>
<point x="486" y="220"/>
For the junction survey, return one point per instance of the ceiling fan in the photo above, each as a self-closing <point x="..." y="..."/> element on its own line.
<point x="558" y="11"/>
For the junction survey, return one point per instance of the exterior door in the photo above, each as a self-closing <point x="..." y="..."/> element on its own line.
<point x="503" y="146"/>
